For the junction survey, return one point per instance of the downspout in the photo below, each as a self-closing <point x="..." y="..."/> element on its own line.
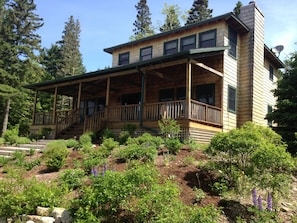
<point x="141" y="98"/>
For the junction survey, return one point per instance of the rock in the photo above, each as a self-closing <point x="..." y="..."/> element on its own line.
<point x="61" y="215"/>
<point x="47" y="219"/>
<point x="41" y="211"/>
<point x="30" y="221"/>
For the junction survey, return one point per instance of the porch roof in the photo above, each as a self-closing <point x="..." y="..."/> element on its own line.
<point x="134" y="67"/>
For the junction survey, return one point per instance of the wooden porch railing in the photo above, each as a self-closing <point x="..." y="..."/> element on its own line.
<point x="124" y="113"/>
<point x="206" y="113"/>
<point x="43" y="118"/>
<point x="67" y="121"/>
<point x="95" y="122"/>
<point x="172" y="109"/>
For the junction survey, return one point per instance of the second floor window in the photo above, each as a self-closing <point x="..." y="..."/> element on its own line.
<point x="271" y="72"/>
<point x="207" y="39"/>
<point x="232" y="42"/>
<point x="124" y="58"/>
<point x="188" y="43"/>
<point x="170" y="47"/>
<point x="146" y="53"/>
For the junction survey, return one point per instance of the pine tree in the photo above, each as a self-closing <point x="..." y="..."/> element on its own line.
<point x="18" y="61"/>
<point x="143" y="23"/>
<point x="199" y="12"/>
<point x="236" y="10"/>
<point x="71" y="57"/>
<point x="286" y="106"/>
<point x="172" y="13"/>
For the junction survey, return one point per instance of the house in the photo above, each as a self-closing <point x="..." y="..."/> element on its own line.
<point x="210" y="76"/>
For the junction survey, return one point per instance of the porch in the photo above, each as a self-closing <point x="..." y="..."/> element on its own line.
<point x="141" y="116"/>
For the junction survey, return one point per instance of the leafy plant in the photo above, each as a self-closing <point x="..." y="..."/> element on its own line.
<point x="109" y="143"/>
<point x="85" y="140"/>
<point x="55" y="155"/>
<point x="146" y="139"/>
<point x="30" y="164"/>
<point x="169" y="127"/>
<point x="72" y="178"/>
<point x="3" y="161"/>
<point x="11" y="135"/>
<point x="72" y="143"/>
<point x="173" y="145"/>
<point x="188" y="160"/>
<point x="199" y="194"/>
<point x="137" y="152"/>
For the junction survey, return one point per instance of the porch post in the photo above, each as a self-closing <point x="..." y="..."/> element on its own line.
<point x="34" y="108"/>
<point x="78" y="96"/>
<point x="142" y="97"/>
<point x="55" y="106"/>
<point x="107" y="97"/>
<point x="188" y="88"/>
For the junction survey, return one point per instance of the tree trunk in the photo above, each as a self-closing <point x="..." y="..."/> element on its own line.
<point x="6" y="115"/>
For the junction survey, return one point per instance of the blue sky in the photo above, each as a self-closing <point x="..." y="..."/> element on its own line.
<point x="106" y="23"/>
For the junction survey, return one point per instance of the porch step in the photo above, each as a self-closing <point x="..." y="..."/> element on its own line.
<point x="74" y="131"/>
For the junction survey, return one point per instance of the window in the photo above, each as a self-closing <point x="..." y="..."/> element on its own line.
<point x="166" y="94"/>
<point x="206" y="93"/>
<point x="146" y="53"/>
<point x="207" y="39"/>
<point x="124" y="58"/>
<point x="181" y="93"/>
<point x="188" y="43"/>
<point x="128" y="99"/>
<point x="269" y="109"/>
<point x="231" y="99"/>
<point x="170" y="47"/>
<point x="271" y="72"/>
<point x="232" y="42"/>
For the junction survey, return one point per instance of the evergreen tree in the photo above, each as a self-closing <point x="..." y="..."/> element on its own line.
<point x="18" y="62"/>
<point x="286" y="106"/>
<point x="71" y="57"/>
<point x="236" y="10"/>
<point x="143" y="23"/>
<point x="199" y="12"/>
<point x="172" y="13"/>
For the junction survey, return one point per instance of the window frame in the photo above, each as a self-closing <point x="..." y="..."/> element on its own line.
<point x="188" y="46"/>
<point x="234" y="100"/>
<point x="232" y="36"/>
<point x="169" y="94"/>
<point x="271" y="72"/>
<point x="174" y="50"/>
<point x="214" y="39"/>
<point x="149" y="55"/>
<point x="120" y="61"/>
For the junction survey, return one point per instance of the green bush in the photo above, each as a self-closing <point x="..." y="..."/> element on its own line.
<point x="107" y="133"/>
<point x="173" y="145"/>
<point x="11" y="135"/>
<point x="4" y="161"/>
<point x="72" y="143"/>
<point x="109" y="143"/>
<point x="93" y="158"/>
<point x="30" y="164"/>
<point x="2" y="141"/>
<point x="137" y="152"/>
<point x="55" y="155"/>
<point x="169" y="127"/>
<point x="123" y="137"/>
<point x="85" y="141"/>
<point x="72" y="178"/>
<point x="146" y="139"/>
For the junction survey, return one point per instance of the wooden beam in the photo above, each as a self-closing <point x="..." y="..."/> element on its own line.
<point x="79" y="95"/>
<point x="205" y="67"/>
<point x="55" y="106"/>
<point x="34" y="108"/>
<point x="188" y="89"/>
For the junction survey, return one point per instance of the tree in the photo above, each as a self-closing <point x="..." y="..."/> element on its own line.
<point x="284" y="114"/>
<point x="18" y="45"/>
<point x="199" y="12"/>
<point x="71" y="57"/>
<point x="172" y="13"/>
<point x="236" y="10"/>
<point x="143" y="23"/>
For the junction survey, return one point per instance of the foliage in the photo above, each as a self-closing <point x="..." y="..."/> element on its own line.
<point x="173" y="145"/>
<point x="71" y="178"/>
<point x="172" y="13"/>
<point x="107" y="133"/>
<point x="169" y="127"/>
<point x="16" y="192"/>
<point x="55" y="155"/>
<point x="72" y="143"/>
<point x="252" y="153"/>
<point x="284" y="113"/>
<point x="143" y="23"/>
<point x="29" y="165"/>
<point x="199" y="194"/>
<point x="3" y="161"/>
<point x="188" y="160"/>
<point x="123" y="137"/>
<point x="85" y="140"/>
<point x="236" y="10"/>
<point x="93" y="158"/>
<point x="147" y="139"/>
<point x="11" y="135"/>
<point x="199" y="12"/>
<point x="137" y="152"/>
<point x="2" y="140"/>
<point x="109" y="144"/>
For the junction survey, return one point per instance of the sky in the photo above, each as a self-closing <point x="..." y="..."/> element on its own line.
<point x="107" y="23"/>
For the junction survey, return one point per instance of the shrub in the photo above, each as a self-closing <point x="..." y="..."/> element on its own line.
<point x="86" y="140"/>
<point x="137" y="152"/>
<point x="109" y="144"/>
<point x="72" y="143"/>
<point x="146" y="139"/>
<point x="173" y="145"/>
<point x="55" y="155"/>
<point x="30" y="164"/>
<point x="169" y="127"/>
<point x="2" y="141"/>
<point x="11" y="135"/>
<point x="107" y="133"/>
<point x="3" y="161"/>
<point x="123" y="137"/>
<point x="72" y="178"/>
<point x="199" y="194"/>
<point x="22" y="140"/>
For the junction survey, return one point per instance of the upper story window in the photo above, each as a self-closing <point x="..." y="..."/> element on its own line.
<point x="271" y="72"/>
<point x="146" y="53"/>
<point x="188" y="43"/>
<point x="232" y="34"/>
<point x="123" y="58"/>
<point x="231" y="99"/>
<point x="170" y="47"/>
<point x="208" y="38"/>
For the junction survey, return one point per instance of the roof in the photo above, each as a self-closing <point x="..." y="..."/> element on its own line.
<point x="230" y="18"/>
<point x="200" y="52"/>
<point x="271" y="56"/>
